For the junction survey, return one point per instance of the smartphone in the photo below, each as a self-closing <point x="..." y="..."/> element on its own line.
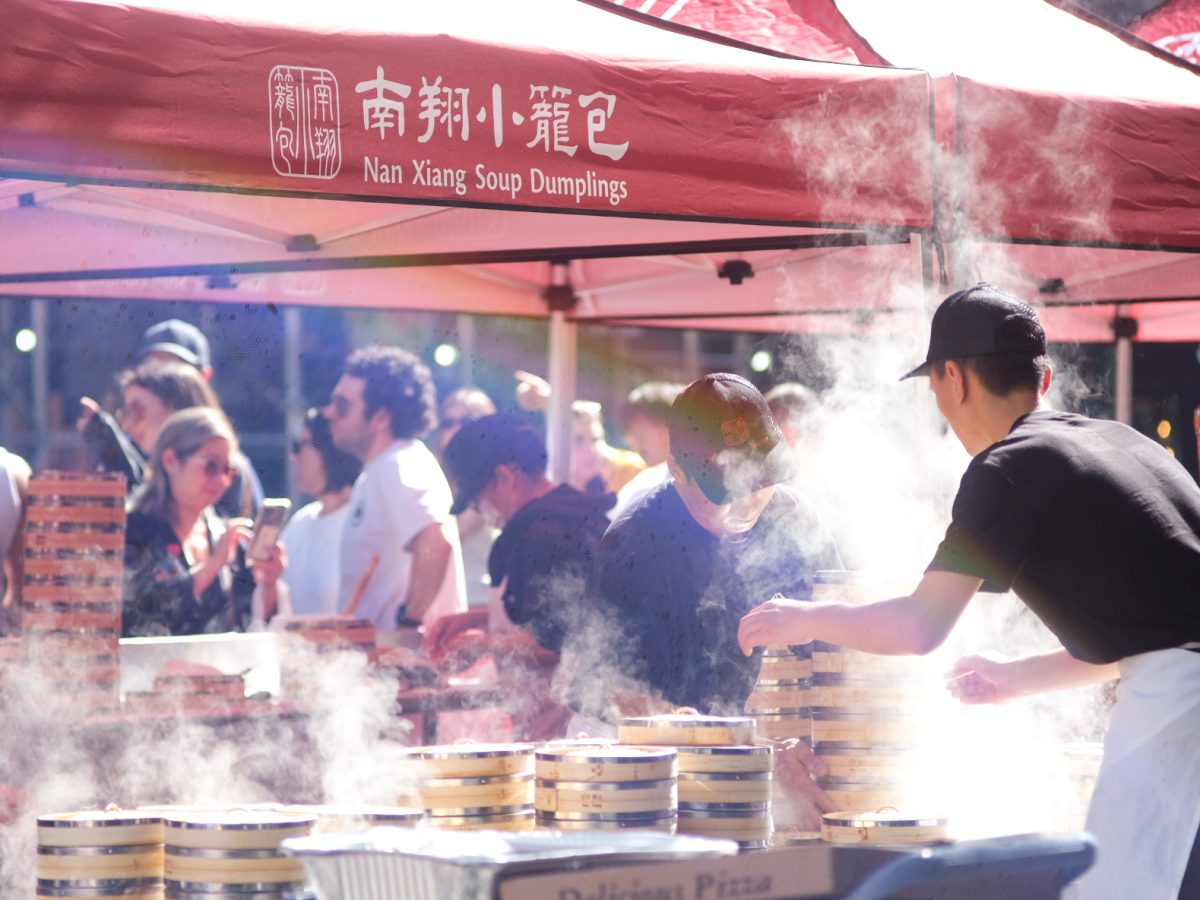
<point x="271" y="516"/>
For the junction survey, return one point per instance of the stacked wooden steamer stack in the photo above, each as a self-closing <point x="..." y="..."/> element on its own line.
<point x="71" y="594"/>
<point x="724" y="777"/>
<point x="780" y="702"/>
<point x="883" y="828"/>
<point x="100" y="854"/>
<point x="471" y="786"/>
<point x="864" y="709"/>
<point x="606" y="788"/>
<point x="232" y="853"/>
<point x="207" y="692"/>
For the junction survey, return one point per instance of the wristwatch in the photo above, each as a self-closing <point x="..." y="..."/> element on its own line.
<point x="403" y="621"/>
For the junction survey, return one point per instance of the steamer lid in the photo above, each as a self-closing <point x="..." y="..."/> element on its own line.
<point x="880" y="820"/>
<point x="730" y="750"/>
<point x="238" y="820"/>
<point x="467" y="751"/>
<point x="98" y="818"/>
<point x="616" y="753"/>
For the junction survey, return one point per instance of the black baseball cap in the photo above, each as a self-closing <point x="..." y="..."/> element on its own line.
<point x="724" y="438"/>
<point x="179" y="338"/>
<point x="982" y="321"/>
<point x="502" y="439"/>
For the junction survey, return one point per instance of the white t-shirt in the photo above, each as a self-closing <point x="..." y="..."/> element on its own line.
<point x="12" y="467"/>
<point x="398" y="494"/>
<point x="313" y="546"/>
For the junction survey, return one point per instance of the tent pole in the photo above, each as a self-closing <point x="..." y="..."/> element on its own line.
<point x="293" y="380"/>
<point x="564" y="352"/>
<point x="1123" y="393"/>
<point x="39" y="320"/>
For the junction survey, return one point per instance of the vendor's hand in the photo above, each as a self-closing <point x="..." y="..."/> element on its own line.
<point x="88" y="409"/>
<point x="269" y="569"/>
<point x="983" y="679"/>
<point x="778" y="621"/>
<point x="795" y="767"/>
<point x="236" y="531"/>
<point x="443" y="630"/>
<point x="533" y="391"/>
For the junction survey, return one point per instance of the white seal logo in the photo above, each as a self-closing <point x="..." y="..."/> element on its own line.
<point x="306" y="138"/>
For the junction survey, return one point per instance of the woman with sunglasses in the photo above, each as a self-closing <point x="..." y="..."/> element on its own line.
<point x="184" y="572"/>
<point x="313" y="535"/>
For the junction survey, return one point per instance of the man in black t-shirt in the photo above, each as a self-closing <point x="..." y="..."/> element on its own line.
<point x="677" y="571"/>
<point x="538" y="567"/>
<point x="1097" y="529"/>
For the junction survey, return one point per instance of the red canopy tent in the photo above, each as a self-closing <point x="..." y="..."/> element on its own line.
<point x="451" y="157"/>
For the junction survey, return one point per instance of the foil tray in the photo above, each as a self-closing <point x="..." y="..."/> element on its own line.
<point x="431" y="864"/>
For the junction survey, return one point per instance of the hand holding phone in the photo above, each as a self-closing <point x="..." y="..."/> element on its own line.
<point x="267" y="527"/>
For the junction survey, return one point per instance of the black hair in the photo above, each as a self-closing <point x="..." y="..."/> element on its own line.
<point x="653" y="399"/>
<point x="397" y="382"/>
<point x="1004" y="373"/>
<point x="177" y="384"/>
<point x="341" y="469"/>
<point x="791" y="402"/>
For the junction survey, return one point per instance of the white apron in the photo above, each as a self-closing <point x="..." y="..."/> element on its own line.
<point x="1146" y="807"/>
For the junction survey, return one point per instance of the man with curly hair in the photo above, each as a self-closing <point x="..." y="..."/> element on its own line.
<point x="401" y="565"/>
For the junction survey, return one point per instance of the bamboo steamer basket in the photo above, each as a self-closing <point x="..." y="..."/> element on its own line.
<point x="129" y="861"/>
<point x="882" y="828"/>
<point x="773" y="697"/>
<point x="504" y="818"/>
<point x="462" y="793"/>
<point x="865" y="694"/>
<point x="606" y="763"/>
<point x="756" y="758"/>
<point x="43" y="592"/>
<point x="233" y="829"/>
<point x="831" y="659"/>
<point x="185" y="865"/>
<point x="879" y="794"/>
<point x="467" y="760"/>
<point x="724" y="787"/>
<point x="791" y="837"/>
<point x="72" y="617"/>
<point x="854" y="726"/>
<point x="105" y="889"/>
<point x="606" y="797"/>
<point x="658" y="821"/>
<point x="686" y="729"/>
<point x="336" y="818"/>
<point x="866" y="761"/>
<point x="781" y="725"/>
<point x="782" y="663"/>
<point x="230" y="686"/>
<point x="781" y="668"/>
<point x="100" y="828"/>
<point x="728" y="821"/>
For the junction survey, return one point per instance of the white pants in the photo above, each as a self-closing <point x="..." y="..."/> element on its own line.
<point x="1146" y="807"/>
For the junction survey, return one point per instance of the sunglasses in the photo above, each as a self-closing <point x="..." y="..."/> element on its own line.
<point x="340" y="406"/>
<point x="212" y="468"/>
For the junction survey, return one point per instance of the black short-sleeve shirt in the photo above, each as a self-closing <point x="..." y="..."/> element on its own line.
<point x="1094" y="526"/>
<point x="679" y="592"/>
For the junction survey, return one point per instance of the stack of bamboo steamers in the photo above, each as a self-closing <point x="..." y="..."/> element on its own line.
<point x="100" y="854"/>
<point x="724" y="778"/>
<point x="471" y="786"/>
<point x="864" y="709"/>
<point x="71" y="595"/>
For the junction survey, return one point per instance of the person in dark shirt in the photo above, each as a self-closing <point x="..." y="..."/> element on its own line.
<point x="1095" y="528"/>
<point x="184" y="571"/>
<point x="675" y="573"/>
<point x="538" y="567"/>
